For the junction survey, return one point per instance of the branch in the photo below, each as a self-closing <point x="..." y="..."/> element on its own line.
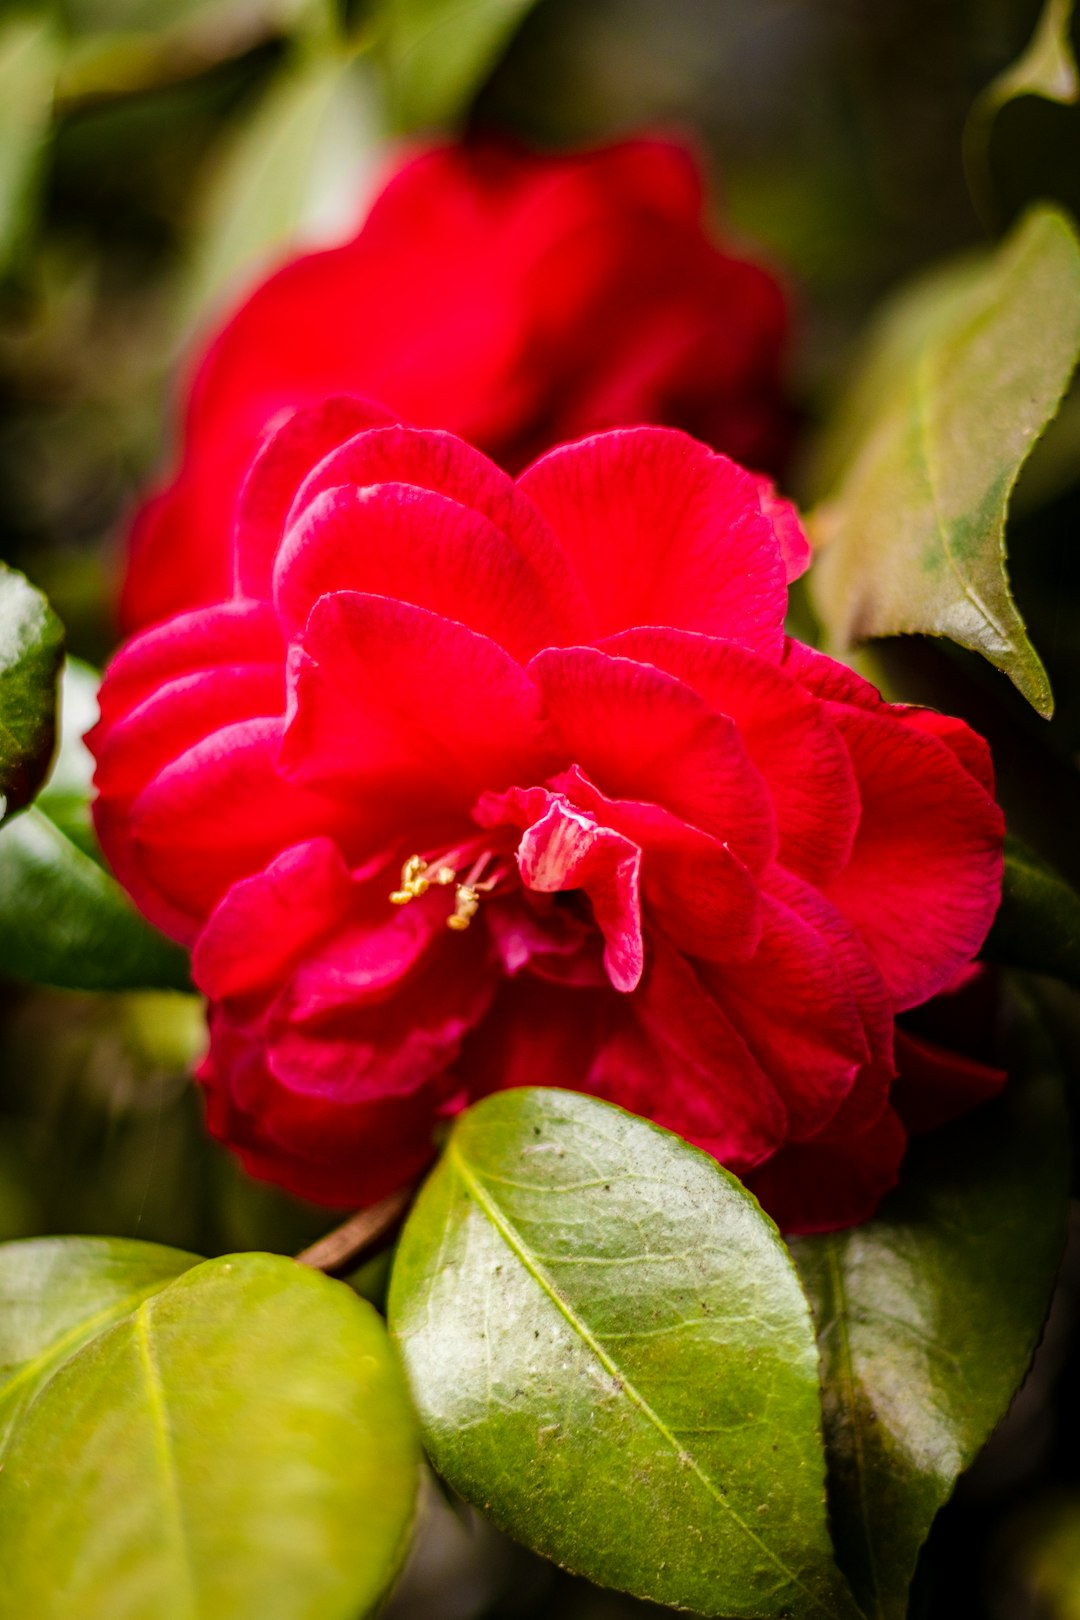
<point x="340" y="1249"/>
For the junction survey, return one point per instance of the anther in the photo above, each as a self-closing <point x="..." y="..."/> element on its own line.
<point x="414" y="881"/>
<point x="466" y="902"/>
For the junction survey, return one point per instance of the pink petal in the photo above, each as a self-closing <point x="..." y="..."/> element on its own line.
<point x="266" y="923"/>
<point x="157" y="730"/>
<point x="441" y="463"/>
<point x="342" y="1156"/>
<point x="787" y="734"/>
<point x="220" y="813"/>
<point x="231" y="633"/>
<point x="290" y="448"/>
<point x="567" y="849"/>
<point x="924" y="879"/>
<point x="828" y="679"/>
<point x="419" y="547"/>
<point x="821" y="1187"/>
<point x="663" y="531"/>
<point x="787" y="526"/>
<point x="797" y="1015"/>
<point x="702" y="896"/>
<point x="640" y="734"/>
<point x="677" y="1058"/>
<point x="394" y="700"/>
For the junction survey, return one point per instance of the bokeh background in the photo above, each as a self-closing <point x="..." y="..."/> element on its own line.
<point x="158" y="155"/>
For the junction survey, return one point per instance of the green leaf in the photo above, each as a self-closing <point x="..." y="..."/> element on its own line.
<point x="31" y="650"/>
<point x="912" y="537"/>
<point x="1046" y="68"/>
<point x="56" y="1293"/>
<point x="927" y="1319"/>
<point x="1038" y="922"/>
<point x="291" y="175"/>
<point x="612" y="1357"/>
<point x="64" y="921"/>
<point x="28" y="61"/>
<point x="239" y="1444"/>
<point x="437" y="53"/>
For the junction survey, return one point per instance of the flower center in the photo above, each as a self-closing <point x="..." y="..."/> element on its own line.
<point x="420" y="872"/>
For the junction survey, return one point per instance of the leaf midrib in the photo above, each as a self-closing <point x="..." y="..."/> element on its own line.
<point x="518" y="1247"/>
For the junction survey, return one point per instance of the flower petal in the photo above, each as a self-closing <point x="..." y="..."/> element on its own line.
<point x="924" y="879"/>
<point x="641" y="734"/>
<point x="663" y="531"/>
<point x="290" y="448"/>
<point x="419" y="547"/>
<point x="439" y="462"/>
<point x="394" y="700"/>
<point x="823" y="1186"/>
<point x="787" y="734"/>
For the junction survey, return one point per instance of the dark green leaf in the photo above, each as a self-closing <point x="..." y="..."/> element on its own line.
<point x="31" y="649"/>
<point x="1038" y="924"/>
<point x="912" y="536"/>
<point x="238" y="1444"/>
<point x="65" y="921"/>
<point x="612" y="1358"/>
<point x="437" y="53"/>
<point x="927" y="1319"/>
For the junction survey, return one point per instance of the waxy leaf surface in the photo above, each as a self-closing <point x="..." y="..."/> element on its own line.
<point x="927" y="1318"/>
<point x="239" y="1444"/>
<point x="911" y="537"/>
<point x="612" y="1358"/>
<point x="56" y="1293"/>
<point x="31" y="650"/>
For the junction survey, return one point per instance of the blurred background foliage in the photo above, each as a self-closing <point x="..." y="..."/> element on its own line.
<point x="156" y="156"/>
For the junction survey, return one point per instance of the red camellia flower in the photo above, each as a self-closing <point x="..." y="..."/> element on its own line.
<point x="513" y="299"/>
<point x="478" y="783"/>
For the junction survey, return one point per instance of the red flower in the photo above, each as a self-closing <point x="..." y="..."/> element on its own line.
<point x="477" y="783"/>
<point x="515" y="300"/>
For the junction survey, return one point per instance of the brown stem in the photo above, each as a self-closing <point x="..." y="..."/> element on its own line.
<point x="340" y="1249"/>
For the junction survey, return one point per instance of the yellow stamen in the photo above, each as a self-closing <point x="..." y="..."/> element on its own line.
<point x="466" y="903"/>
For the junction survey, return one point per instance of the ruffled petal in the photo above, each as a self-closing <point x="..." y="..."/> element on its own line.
<point x="392" y="700"/>
<point x="289" y="450"/>
<point x="663" y="531"/>
<point x="823" y="1186"/>
<point x="924" y="879"/>
<point x="640" y="734"/>
<point x="788" y="736"/>
<point x="419" y="547"/>
<point x="440" y="462"/>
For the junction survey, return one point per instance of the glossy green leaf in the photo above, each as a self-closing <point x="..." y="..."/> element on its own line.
<point x="29" y="53"/>
<point x="927" y="1319"/>
<point x="1038" y="923"/>
<point x="57" y="1293"/>
<point x="239" y="1444"/>
<point x="65" y="921"/>
<point x="612" y="1358"/>
<point x="437" y="53"/>
<point x="31" y="650"/>
<point x="912" y="536"/>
